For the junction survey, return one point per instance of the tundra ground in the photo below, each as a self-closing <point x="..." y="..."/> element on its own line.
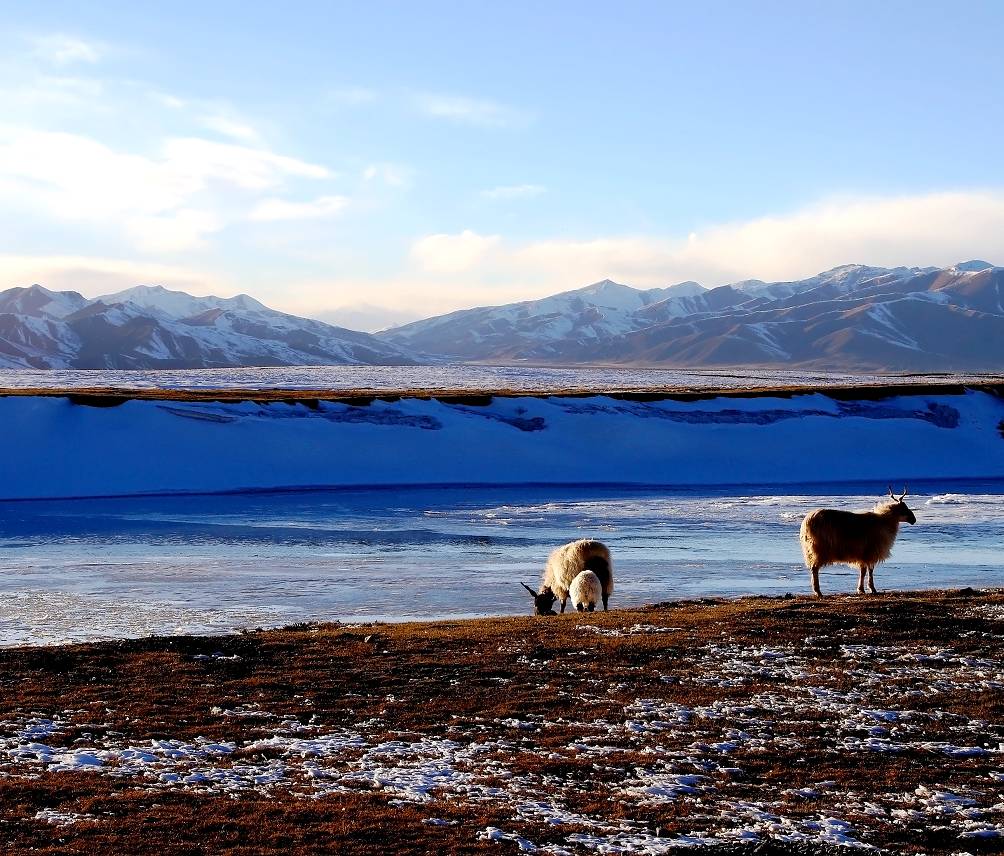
<point x="755" y="725"/>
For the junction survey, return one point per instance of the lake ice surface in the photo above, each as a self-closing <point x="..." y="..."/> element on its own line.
<point x="448" y="377"/>
<point x="97" y="569"/>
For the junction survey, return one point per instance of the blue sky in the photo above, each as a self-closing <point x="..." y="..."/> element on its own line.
<point x="369" y="163"/>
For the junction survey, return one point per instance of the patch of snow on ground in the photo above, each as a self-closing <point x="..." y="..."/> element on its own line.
<point x="62" y="818"/>
<point x="695" y="754"/>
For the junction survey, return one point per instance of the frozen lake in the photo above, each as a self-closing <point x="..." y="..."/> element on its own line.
<point x="97" y="569"/>
<point x="450" y="377"/>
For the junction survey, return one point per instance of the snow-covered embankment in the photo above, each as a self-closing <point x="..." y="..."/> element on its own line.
<point x="54" y="447"/>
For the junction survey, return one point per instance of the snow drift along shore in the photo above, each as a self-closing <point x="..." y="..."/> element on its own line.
<point x="57" y="448"/>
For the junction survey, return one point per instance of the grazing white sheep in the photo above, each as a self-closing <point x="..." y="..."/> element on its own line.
<point x="565" y="564"/>
<point x="585" y="591"/>
<point x="860" y="539"/>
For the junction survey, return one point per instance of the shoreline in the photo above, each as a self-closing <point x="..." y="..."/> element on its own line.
<point x="112" y="396"/>
<point x="413" y="623"/>
<point x="698" y="489"/>
<point x="800" y="724"/>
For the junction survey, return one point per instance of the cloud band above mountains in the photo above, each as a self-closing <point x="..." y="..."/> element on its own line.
<point x="930" y="229"/>
<point x="446" y="271"/>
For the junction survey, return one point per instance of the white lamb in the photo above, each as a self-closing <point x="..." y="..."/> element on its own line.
<point x="585" y="591"/>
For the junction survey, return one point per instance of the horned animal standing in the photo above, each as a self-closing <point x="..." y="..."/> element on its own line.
<point x="860" y="539"/>
<point x="564" y="565"/>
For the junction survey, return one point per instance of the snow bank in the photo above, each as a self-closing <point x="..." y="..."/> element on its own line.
<point x="56" y="448"/>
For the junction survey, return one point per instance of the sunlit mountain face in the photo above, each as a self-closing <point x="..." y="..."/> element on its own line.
<point x="851" y="318"/>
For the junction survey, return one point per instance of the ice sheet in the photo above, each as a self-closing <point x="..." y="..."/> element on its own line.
<point x="92" y="569"/>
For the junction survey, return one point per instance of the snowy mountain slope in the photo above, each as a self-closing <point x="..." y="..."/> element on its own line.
<point x="152" y="327"/>
<point x="933" y="321"/>
<point x="178" y="304"/>
<point x="839" y="280"/>
<point x="584" y="316"/>
<point x="853" y="317"/>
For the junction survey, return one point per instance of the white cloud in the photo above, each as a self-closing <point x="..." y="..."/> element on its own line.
<point x="232" y="128"/>
<point x="282" y="209"/>
<point x="471" y="111"/>
<point x="454" y="253"/>
<point x="180" y="230"/>
<point x="168" y="100"/>
<point x="95" y="275"/>
<point x="514" y="191"/>
<point x="61" y="49"/>
<point x="924" y="229"/>
<point x="931" y="229"/>
<point x="165" y="203"/>
<point x="201" y="161"/>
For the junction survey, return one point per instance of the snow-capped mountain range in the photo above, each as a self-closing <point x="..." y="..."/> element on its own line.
<point x="853" y="317"/>
<point x="150" y="327"/>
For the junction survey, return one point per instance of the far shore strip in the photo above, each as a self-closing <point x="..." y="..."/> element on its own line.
<point x="896" y="386"/>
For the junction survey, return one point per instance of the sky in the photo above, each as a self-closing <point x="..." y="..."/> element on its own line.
<point x="372" y="163"/>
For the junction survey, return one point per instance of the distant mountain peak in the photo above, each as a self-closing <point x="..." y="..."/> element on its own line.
<point x="851" y="317"/>
<point x="973" y="266"/>
<point x="180" y="304"/>
<point x="688" y="288"/>
<point x="244" y="301"/>
<point x="41" y="291"/>
<point x="36" y="301"/>
<point x="603" y="285"/>
<point x="843" y="268"/>
<point x="150" y="326"/>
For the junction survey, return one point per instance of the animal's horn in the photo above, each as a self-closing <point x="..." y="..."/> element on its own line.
<point x="891" y="493"/>
<point x="905" y="491"/>
<point x="532" y="592"/>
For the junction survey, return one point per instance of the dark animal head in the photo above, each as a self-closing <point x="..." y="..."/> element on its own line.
<point x="899" y="507"/>
<point x="542" y="601"/>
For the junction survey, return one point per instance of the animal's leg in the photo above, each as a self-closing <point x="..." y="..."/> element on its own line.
<point x="862" y="568"/>
<point x="563" y="601"/>
<point x="579" y="607"/>
<point x="814" y="571"/>
<point x="871" y="579"/>
<point x="606" y="597"/>
<point x="592" y="606"/>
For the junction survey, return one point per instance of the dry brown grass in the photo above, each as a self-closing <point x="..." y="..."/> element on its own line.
<point x="470" y="676"/>
<point x="113" y="396"/>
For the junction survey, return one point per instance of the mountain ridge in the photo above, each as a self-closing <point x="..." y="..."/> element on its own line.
<point x="851" y="317"/>
<point x="146" y="327"/>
